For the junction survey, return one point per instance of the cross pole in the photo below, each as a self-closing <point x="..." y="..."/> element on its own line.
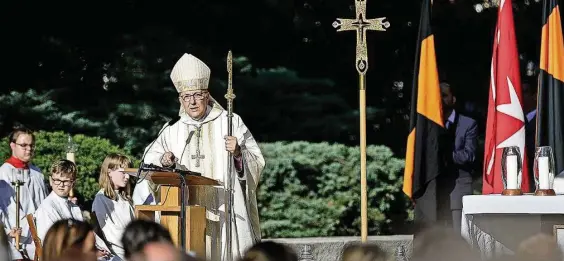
<point x="360" y="24"/>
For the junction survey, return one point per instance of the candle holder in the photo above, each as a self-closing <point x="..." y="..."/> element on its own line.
<point x="71" y="148"/>
<point x="511" y="170"/>
<point x="544" y="171"/>
<point x="17" y="179"/>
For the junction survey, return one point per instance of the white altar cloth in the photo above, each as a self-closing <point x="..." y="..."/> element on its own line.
<point x="496" y="224"/>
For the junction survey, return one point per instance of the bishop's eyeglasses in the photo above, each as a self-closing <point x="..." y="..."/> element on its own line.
<point x="197" y="96"/>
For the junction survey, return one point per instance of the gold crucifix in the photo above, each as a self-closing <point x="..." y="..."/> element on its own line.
<point x="361" y="25"/>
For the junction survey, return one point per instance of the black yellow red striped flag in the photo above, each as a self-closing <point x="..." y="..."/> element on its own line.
<point x="550" y="100"/>
<point x="426" y="121"/>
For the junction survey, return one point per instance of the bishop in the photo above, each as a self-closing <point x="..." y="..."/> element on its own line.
<point x="198" y="142"/>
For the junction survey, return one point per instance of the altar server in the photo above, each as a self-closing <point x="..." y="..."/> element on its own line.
<point x="112" y="204"/>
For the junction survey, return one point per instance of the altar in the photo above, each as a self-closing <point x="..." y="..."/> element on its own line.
<point x="496" y="224"/>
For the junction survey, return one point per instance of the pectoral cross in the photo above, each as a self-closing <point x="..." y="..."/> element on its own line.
<point x="198" y="156"/>
<point x="361" y="25"/>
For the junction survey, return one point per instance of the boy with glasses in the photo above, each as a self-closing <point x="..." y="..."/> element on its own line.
<point x="57" y="205"/>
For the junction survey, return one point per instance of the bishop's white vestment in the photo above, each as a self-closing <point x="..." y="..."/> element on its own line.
<point x="113" y="216"/>
<point x="199" y="146"/>
<point x="32" y="193"/>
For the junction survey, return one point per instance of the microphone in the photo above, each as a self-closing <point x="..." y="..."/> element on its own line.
<point x="142" y="164"/>
<point x="153" y="167"/>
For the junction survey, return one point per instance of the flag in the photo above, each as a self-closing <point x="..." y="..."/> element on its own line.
<point x="550" y="100"/>
<point x="505" y="125"/>
<point x="426" y="121"/>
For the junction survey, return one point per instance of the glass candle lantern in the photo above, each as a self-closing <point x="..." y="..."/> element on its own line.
<point x="544" y="171"/>
<point x="511" y="168"/>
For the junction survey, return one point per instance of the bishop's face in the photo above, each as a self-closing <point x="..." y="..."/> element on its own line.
<point x="194" y="103"/>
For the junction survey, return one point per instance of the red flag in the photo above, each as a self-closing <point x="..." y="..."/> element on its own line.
<point x="506" y="120"/>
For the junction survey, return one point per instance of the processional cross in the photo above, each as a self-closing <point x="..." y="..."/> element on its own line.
<point x="361" y="25"/>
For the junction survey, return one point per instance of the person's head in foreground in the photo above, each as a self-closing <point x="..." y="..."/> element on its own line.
<point x="269" y="251"/>
<point x="364" y="252"/>
<point x="442" y="244"/>
<point x="74" y="254"/>
<point x="160" y="251"/>
<point x="139" y="233"/>
<point x="68" y="235"/>
<point x="540" y="247"/>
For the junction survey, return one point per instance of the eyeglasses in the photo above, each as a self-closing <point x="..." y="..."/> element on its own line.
<point x="64" y="182"/>
<point x="197" y="96"/>
<point x="30" y="146"/>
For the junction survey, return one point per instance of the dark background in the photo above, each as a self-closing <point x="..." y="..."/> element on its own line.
<point x="294" y="75"/>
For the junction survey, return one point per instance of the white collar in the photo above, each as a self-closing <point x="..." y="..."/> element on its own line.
<point x="59" y="198"/>
<point x="212" y="113"/>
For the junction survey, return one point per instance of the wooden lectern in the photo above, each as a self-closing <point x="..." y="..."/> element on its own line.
<point x="170" y="208"/>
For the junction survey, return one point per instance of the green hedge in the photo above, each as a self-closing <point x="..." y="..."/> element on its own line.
<point x="313" y="189"/>
<point x="306" y="189"/>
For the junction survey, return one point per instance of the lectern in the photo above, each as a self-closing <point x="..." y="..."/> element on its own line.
<point x="170" y="207"/>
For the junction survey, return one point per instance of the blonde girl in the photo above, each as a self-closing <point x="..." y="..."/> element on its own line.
<point x="112" y="205"/>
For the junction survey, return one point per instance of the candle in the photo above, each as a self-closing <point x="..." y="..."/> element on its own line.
<point x="70" y="156"/>
<point x="543" y="173"/>
<point x="511" y="162"/>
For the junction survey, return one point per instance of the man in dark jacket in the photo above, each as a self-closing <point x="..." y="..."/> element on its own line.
<point x="530" y="109"/>
<point x="458" y="147"/>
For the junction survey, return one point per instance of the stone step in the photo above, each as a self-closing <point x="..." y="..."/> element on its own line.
<point x="331" y="248"/>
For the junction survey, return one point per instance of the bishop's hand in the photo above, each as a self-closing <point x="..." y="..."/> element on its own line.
<point x="168" y="159"/>
<point x="232" y="146"/>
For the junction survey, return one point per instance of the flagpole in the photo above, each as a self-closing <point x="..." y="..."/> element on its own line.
<point x="360" y="24"/>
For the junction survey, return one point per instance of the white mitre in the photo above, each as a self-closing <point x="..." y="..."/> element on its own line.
<point x="190" y="74"/>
